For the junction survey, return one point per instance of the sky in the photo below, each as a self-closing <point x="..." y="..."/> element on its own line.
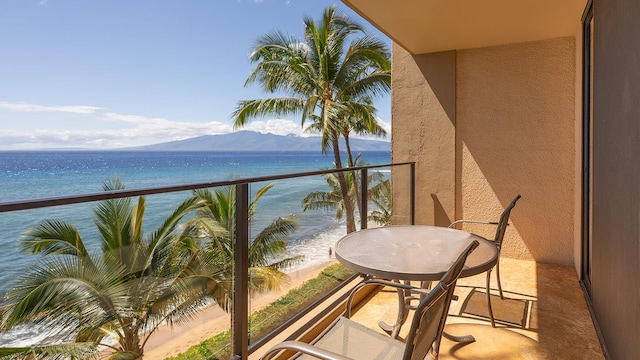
<point x="78" y="74"/>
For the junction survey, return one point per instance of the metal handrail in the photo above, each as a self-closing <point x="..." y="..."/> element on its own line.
<point x="30" y="204"/>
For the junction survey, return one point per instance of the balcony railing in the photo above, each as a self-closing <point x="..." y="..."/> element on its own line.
<point x="241" y="347"/>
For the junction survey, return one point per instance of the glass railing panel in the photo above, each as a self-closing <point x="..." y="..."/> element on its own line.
<point x="312" y="241"/>
<point x="208" y="235"/>
<point x="402" y="195"/>
<point x="379" y="200"/>
<point x="309" y="236"/>
<point x="17" y="264"/>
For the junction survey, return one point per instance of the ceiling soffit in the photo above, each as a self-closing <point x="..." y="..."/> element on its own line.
<point x="426" y="26"/>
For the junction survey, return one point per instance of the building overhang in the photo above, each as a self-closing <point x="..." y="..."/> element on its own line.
<point x="427" y="26"/>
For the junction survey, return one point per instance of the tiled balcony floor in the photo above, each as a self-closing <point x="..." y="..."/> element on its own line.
<point x="543" y="316"/>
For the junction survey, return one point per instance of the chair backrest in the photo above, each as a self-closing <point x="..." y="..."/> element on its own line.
<point x="430" y="315"/>
<point x="503" y="222"/>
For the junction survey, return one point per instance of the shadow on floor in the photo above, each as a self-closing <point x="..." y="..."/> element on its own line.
<point x="507" y="311"/>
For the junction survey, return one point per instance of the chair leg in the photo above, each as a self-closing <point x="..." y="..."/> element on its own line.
<point x="493" y="322"/>
<point x="498" y="276"/>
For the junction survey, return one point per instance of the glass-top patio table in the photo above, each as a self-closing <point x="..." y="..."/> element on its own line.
<point x="413" y="253"/>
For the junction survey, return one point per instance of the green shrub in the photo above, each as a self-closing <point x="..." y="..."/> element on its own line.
<point x="264" y="320"/>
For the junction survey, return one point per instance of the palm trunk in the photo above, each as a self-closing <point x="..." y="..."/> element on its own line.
<point x="344" y="189"/>
<point x="354" y="174"/>
<point x="131" y="341"/>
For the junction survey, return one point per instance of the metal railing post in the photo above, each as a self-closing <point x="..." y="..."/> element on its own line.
<point x="364" y="198"/>
<point x="240" y="329"/>
<point x="412" y="193"/>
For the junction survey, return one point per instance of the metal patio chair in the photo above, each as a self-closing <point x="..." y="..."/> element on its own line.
<point x="346" y="339"/>
<point x="499" y="236"/>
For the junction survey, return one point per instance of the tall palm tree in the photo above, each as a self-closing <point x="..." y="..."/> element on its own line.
<point x="361" y="123"/>
<point x="327" y="77"/>
<point x="121" y="293"/>
<point x="215" y="227"/>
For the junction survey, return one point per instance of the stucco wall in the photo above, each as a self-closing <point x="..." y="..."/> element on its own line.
<point x="515" y="135"/>
<point x="423" y="130"/>
<point x="509" y="131"/>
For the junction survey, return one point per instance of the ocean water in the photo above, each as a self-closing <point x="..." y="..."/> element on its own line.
<point x="32" y="175"/>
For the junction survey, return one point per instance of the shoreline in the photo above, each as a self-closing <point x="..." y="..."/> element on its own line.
<point x="172" y="340"/>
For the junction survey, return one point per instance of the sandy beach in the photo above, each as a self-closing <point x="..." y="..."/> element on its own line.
<point x="172" y="340"/>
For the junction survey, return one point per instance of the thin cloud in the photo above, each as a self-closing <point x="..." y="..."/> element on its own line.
<point x="134" y="119"/>
<point x="165" y="128"/>
<point x="179" y="130"/>
<point x="76" y="109"/>
<point x="129" y="130"/>
<point x="276" y="126"/>
<point x="124" y="130"/>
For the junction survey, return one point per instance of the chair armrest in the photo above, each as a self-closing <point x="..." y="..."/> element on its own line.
<point x="473" y="222"/>
<point x="303" y="348"/>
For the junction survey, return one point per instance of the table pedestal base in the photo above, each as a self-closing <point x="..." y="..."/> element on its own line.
<point x="465" y="339"/>
<point x="404" y="305"/>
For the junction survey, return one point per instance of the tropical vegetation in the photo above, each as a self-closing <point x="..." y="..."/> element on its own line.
<point x="333" y="200"/>
<point x="264" y="320"/>
<point x="330" y="77"/>
<point x="380" y="194"/>
<point x="112" y="299"/>
<point x="213" y="231"/>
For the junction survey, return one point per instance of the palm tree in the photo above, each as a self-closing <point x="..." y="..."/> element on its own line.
<point x="215" y="228"/>
<point x="328" y="200"/>
<point x="332" y="199"/>
<point x="323" y="77"/>
<point x="363" y="123"/>
<point x="380" y="194"/>
<point x="123" y="292"/>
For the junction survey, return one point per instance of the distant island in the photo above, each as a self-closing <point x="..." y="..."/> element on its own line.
<point x="255" y="141"/>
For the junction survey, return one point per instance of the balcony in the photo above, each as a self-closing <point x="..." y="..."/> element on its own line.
<point x="543" y="315"/>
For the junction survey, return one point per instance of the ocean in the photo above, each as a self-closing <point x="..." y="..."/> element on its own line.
<point x="44" y="174"/>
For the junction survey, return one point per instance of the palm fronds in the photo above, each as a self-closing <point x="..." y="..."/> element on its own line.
<point x="330" y="77"/>
<point x="215" y="228"/>
<point x="130" y="287"/>
<point x="51" y="352"/>
<point x="53" y="237"/>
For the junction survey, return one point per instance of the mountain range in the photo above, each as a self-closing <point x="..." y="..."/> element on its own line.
<point x="255" y="141"/>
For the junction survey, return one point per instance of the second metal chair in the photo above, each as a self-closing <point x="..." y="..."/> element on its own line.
<point x="498" y="238"/>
